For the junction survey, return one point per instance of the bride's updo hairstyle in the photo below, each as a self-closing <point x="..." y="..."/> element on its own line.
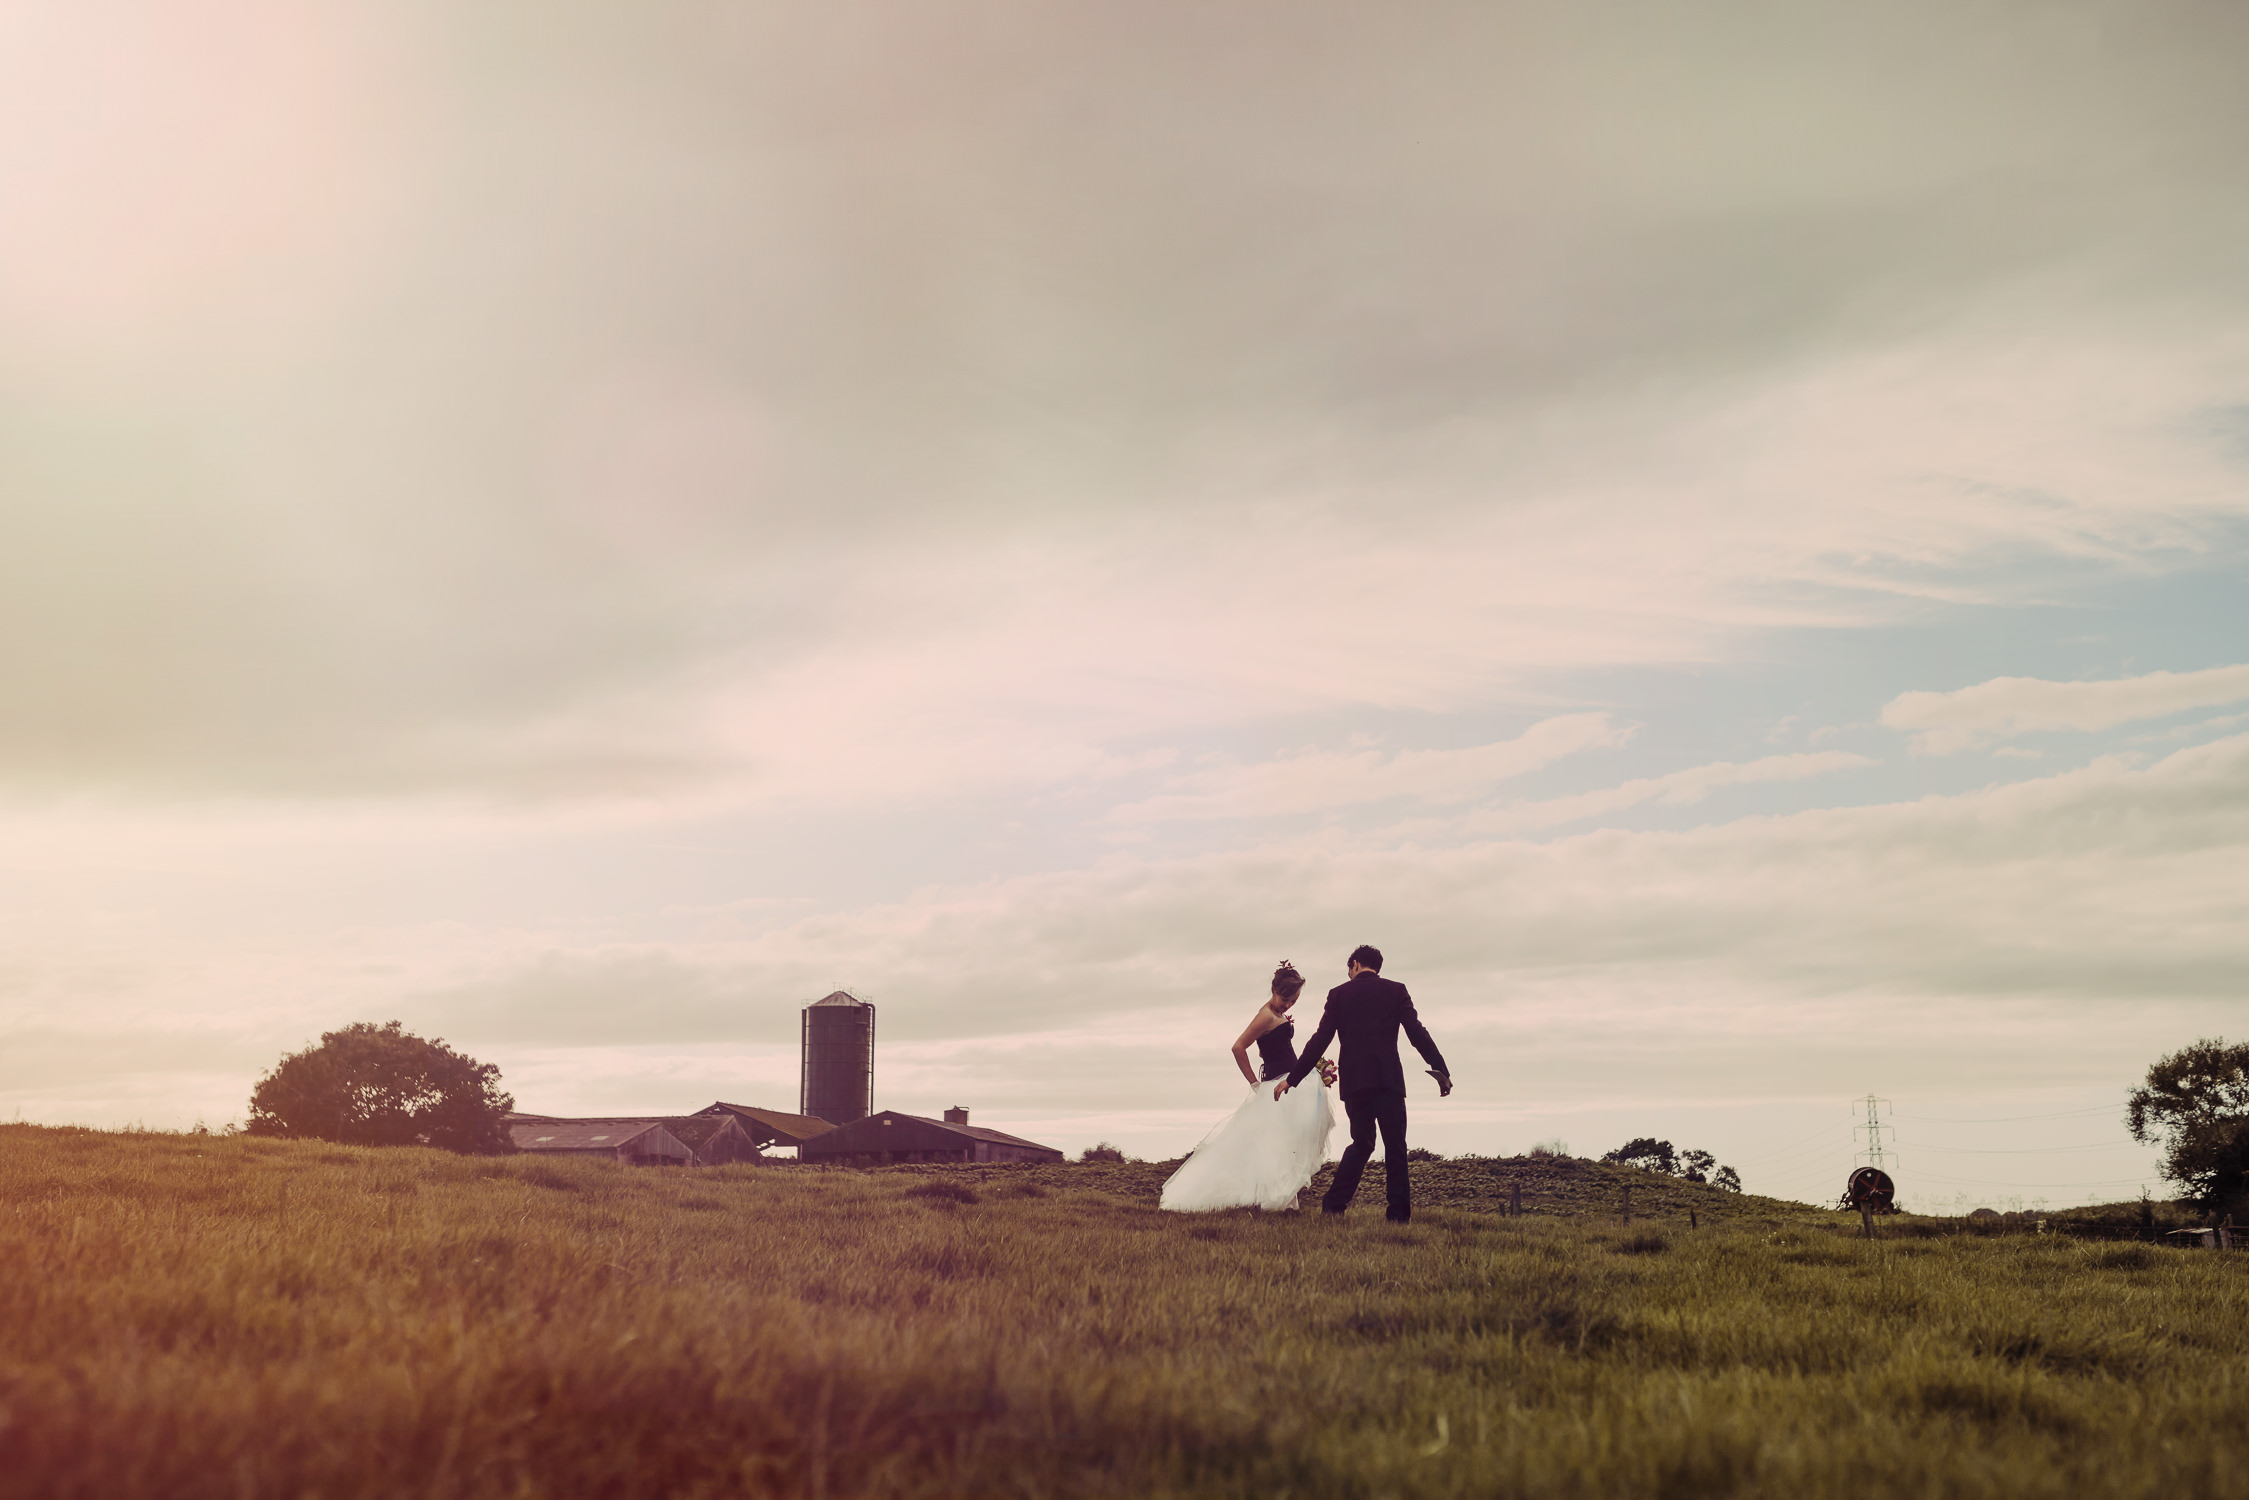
<point x="1287" y="983"/>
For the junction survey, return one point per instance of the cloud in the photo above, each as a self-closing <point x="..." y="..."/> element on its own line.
<point x="2110" y="879"/>
<point x="1675" y="789"/>
<point x="2195" y="730"/>
<point x="863" y="420"/>
<point x="1318" y="780"/>
<point x="1971" y="717"/>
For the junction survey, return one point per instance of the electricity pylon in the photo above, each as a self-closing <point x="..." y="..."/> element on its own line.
<point x="1872" y="1152"/>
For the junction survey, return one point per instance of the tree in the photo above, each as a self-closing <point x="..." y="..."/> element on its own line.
<point x="2195" y="1104"/>
<point x="370" y="1085"/>
<point x="1646" y="1153"/>
<point x="1651" y="1155"/>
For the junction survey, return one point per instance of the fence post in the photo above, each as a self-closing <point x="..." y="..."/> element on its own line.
<point x="1628" y="1205"/>
<point x="1514" y="1200"/>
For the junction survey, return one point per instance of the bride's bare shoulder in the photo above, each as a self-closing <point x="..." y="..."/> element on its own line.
<point x="1265" y="1020"/>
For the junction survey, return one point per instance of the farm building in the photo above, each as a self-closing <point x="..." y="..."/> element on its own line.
<point x="637" y="1142"/>
<point x="768" y="1127"/>
<point x="888" y="1137"/>
<point x="683" y="1140"/>
<point x="715" y="1139"/>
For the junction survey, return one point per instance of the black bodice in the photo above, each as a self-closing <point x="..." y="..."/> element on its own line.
<point x="1276" y="1051"/>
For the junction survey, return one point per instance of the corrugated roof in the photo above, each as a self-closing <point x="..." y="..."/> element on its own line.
<point x="788" y="1129"/>
<point x="1000" y="1136"/>
<point x="695" y="1131"/>
<point x="973" y="1132"/>
<point x="840" y="997"/>
<point x="545" y="1133"/>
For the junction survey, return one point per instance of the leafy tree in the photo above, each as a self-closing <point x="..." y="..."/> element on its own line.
<point x="1651" y="1155"/>
<point x="1101" y="1151"/>
<point x="2196" y="1105"/>
<point x="1648" y="1154"/>
<point x="370" y="1085"/>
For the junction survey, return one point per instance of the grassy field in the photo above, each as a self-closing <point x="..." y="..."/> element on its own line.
<point x="188" y="1317"/>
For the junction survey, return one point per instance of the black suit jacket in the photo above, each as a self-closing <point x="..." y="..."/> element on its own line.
<point x="1367" y="1012"/>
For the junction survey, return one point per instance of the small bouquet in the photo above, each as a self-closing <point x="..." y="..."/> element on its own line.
<point x="1327" y="1072"/>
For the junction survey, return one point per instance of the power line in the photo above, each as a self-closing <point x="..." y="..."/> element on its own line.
<point x="2097" y="1109"/>
<point x="2011" y="1182"/>
<point x="2032" y="1150"/>
<point x="1801" y="1150"/>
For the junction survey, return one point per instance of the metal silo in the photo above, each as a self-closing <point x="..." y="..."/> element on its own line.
<point x="839" y="1059"/>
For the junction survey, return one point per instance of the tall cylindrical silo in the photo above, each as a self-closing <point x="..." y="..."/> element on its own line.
<point x="839" y="1059"/>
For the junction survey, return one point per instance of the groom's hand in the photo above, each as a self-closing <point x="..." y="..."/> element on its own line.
<point x="1279" y="1089"/>
<point x="1444" y="1082"/>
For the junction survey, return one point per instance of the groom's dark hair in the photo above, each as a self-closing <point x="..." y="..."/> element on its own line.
<point x="1366" y="956"/>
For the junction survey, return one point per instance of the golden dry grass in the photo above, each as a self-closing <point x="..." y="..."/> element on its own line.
<point x="188" y="1317"/>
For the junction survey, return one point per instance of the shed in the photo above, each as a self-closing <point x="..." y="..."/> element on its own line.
<point x="643" y="1141"/>
<point x="716" y="1140"/>
<point x="771" y="1127"/>
<point x="881" y="1139"/>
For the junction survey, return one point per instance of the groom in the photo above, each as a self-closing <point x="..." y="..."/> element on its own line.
<point x="1367" y="1012"/>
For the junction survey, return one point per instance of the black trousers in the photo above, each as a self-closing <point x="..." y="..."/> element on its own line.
<point x="1373" y="1110"/>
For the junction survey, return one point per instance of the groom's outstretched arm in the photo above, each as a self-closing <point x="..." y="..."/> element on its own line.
<point x="1425" y="1044"/>
<point x="1315" y="1047"/>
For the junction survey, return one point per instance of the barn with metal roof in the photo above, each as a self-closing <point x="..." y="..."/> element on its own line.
<point x="642" y="1141"/>
<point x="881" y="1139"/>
<point x="770" y="1127"/>
<point x="716" y="1140"/>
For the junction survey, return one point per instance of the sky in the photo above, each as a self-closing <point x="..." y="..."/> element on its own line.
<point x="1715" y="536"/>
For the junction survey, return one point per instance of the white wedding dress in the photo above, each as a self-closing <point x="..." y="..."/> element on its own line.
<point x="1263" y="1154"/>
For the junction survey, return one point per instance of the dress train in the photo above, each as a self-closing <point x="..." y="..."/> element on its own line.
<point x="1260" y="1156"/>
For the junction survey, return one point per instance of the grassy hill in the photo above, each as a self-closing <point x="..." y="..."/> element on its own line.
<point x="1594" y="1192"/>
<point x="187" y="1317"/>
<point x="1551" y="1187"/>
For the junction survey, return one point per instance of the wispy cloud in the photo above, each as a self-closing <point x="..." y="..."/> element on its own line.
<point x="887" y="490"/>
<point x="1676" y="789"/>
<point x="1315" y="780"/>
<point x="1971" y="717"/>
<point x="2195" y="730"/>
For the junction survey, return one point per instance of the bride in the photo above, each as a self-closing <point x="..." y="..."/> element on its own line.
<point x="1265" y="1152"/>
